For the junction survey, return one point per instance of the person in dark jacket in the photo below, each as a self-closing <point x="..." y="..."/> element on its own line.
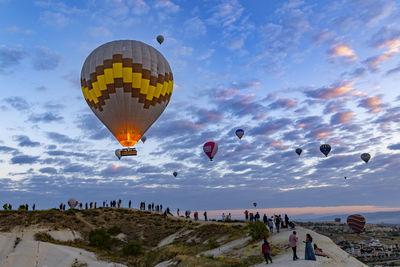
<point x="266" y="250"/>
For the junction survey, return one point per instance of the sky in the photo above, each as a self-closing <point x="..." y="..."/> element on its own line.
<point x="290" y="73"/>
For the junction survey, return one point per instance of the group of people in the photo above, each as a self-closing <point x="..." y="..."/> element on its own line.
<point x="309" y="253"/>
<point x="275" y="221"/>
<point x="8" y="206"/>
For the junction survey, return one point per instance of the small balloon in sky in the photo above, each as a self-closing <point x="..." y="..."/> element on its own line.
<point x="160" y="39"/>
<point x="298" y="151"/>
<point x="239" y="133"/>
<point x="144" y="138"/>
<point x="325" y="149"/>
<point x="365" y="157"/>
<point x="175" y="174"/>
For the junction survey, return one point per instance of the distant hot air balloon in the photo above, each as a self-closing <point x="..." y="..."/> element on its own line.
<point x="345" y="177"/>
<point x="175" y="174"/>
<point x="144" y="138"/>
<point x="298" y="151"/>
<point x="255" y="204"/>
<point x="325" y="149"/>
<point x="72" y="202"/>
<point x="118" y="153"/>
<point x="210" y="148"/>
<point x="127" y="84"/>
<point x="239" y="133"/>
<point x="365" y="157"/>
<point x="160" y="39"/>
<point x="356" y="222"/>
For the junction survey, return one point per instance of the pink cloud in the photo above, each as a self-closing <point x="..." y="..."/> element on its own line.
<point x="342" y="117"/>
<point x="372" y="103"/>
<point x="392" y="47"/>
<point x="343" y="51"/>
<point x="333" y="91"/>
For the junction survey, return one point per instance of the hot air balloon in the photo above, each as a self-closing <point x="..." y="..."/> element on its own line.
<point x="72" y="202"/>
<point x="356" y="222"/>
<point x="175" y="174"/>
<point x="255" y="204"/>
<point x="298" y="151"/>
<point x="239" y="133"/>
<point x="144" y="138"/>
<point x="160" y="39"/>
<point x="127" y="84"/>
<point x="210" y="148"/>
<point x="365" y="157"/>
<point x="325" y="149"/>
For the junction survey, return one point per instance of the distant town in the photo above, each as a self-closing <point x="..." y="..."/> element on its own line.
<point x="377" y="245"/>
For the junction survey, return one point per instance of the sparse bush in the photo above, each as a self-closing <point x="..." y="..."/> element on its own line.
<point x="76" y="263"/>
<point x="212" y="243"/>
<point x="43" y="236"/>
<point x="16" y="241"/>
<point x="22" y="207"/>
<point x="99" y="238"/>
<point x="258" y="230"/>
<point x="115" y="230"/>
<point x="132" y="249"/>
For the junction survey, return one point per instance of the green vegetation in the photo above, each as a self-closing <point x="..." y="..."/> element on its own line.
<point x="100" y="238"/>
<point x="132" y="249"/>
<point x="258" y="230"/>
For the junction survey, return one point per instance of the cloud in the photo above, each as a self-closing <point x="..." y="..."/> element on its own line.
<point x="48" y="170"/>
<point x="195" y="27"/>
<point x="24" y="141"/>
<point x="139" y="7"/>
<point x="372" y="103"/>
<point x="24" y="159"/>
<point x="226" y="13"/>
<point x="343" y="51"/>
<point x="335" y="90"/>
<point x="7" y="149"/>
<point x="92" y="127"/>
<point x="394" y="147"/>
<point x="271" y="127"/>
<point x="206" y="116"/>
<point x="167" y="6"/>
<point x="45" y="117"/>
<point x="78" y="168"/>
<point x="283" y="103"/>
<point x="245" y="84"/>
<point x="387" y="38"/>
<point x="45" y="59"/>
<point x="17" y="102"/>
<point x="116" y="170"/>
<point x="344" y="117"/>
<point x="175" y="128"/>
<point x="59" y="138"/>
<point x="10" y="57"/>
<point x="55" y="19"/>
<point x="393" y="71"/>
<point x="100" y="32"/>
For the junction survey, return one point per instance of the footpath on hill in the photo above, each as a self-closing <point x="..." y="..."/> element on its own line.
<point x="336" y="256"/>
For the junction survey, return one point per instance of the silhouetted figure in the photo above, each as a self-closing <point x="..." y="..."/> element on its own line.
<point x="251" y="217"/>
<point x="265" y="219"/>
<point x="95" y="205"/>
<point x="286" y="220"/>
<point x="177" y="212"/>
<point x="9" y="206"/>
<point x="86" y="206"/>
<point x="160" y="207"/>
<point x="205" y="215"/>
<point x="33" y="207"/>
<point x="152" y="206"/>
<point x="63" y="206"/>
<point x="246" y="215"/>
<point x="26" y="206"/>
<point x="80" y="205"/>
<point x="104" y="204"/>
<point x="130" y="203"/>
<point x="266" y="250"/>
<point x="119" y="203"/>
<point x="91" y="205"/>
<point x="149" y="207"/>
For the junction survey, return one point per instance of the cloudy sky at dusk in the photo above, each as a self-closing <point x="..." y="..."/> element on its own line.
<point x="290" y="73"/>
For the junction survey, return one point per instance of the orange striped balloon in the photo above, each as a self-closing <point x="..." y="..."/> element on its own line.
<point x="356" y="222"/>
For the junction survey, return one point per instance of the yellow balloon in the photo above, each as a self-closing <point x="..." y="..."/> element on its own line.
<point x="127" y="84"/>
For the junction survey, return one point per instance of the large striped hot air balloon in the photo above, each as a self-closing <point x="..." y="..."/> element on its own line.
<point x="356" y="222"/>
<point x="210" y="148"/>
<point x="127" y="84"/>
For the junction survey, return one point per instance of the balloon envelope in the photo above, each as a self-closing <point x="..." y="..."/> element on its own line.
<point x="127" y="84"/>
<point x="72" y="202"/>
<point x="144" y="138"/>
<point x="356" y="222"/>
<point x="255" y="204"/>
<point x="118" y="153"/>
<point x="160" y="39"/>
<point x="175" y="174"/>
<point x="365" y="157"/>
<point x="325" y="149"/>
<point x="239" y="133"/>
<point x="210" y="148"/>
<point x="298" y="151"/>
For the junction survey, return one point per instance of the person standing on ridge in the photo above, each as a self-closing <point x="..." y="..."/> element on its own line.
<point x="293" y="244"/>
<point x="246" y="215"/>
<point x="266" y="250"/>
<point x="309" y="251"/>
<point x="205" y="215"/>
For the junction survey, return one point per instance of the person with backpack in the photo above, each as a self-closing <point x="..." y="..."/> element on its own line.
<point x="266" y="250"/>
